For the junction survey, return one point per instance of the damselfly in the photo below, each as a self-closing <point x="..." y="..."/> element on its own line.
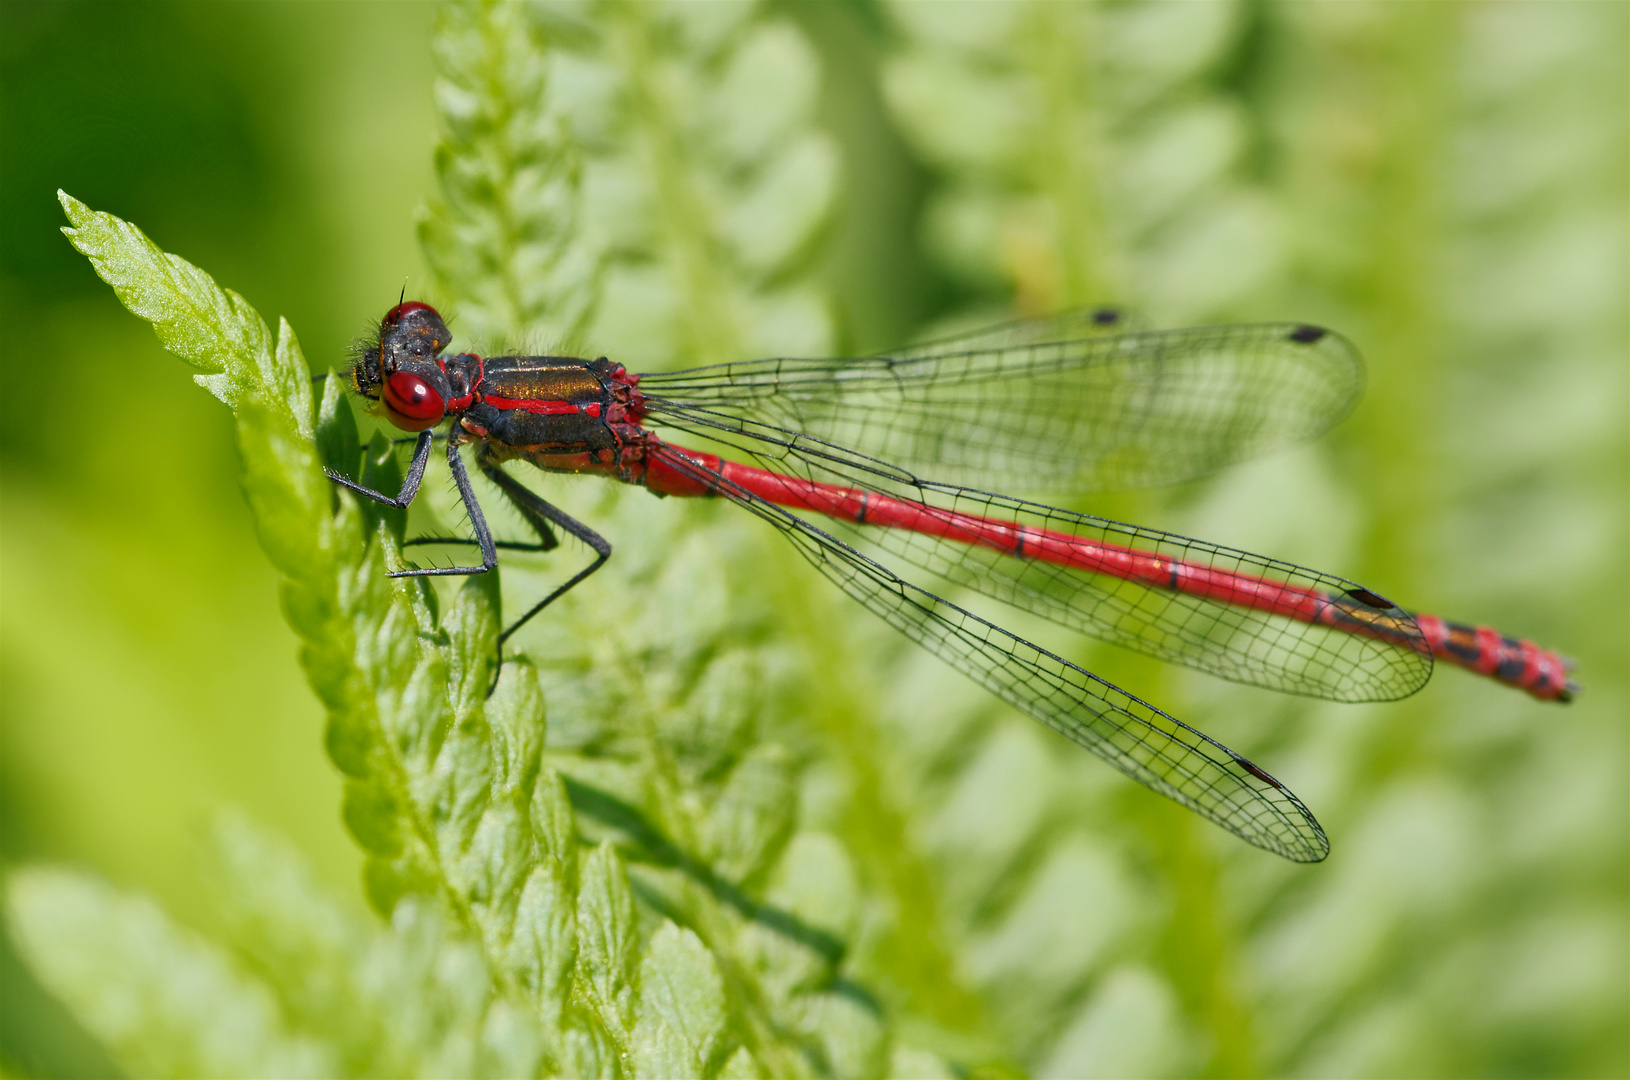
<point x="898" y="455"/>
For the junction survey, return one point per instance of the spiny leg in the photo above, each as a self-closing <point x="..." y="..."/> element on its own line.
<point x="540" y="515"/>
<point x="410" y="483"/>
<point x="478" y="522"/>
<point x="546" y="537"/>
<point x="537" y="513"/>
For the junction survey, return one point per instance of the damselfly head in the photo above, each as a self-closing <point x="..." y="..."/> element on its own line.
<point x="412" y="331"/>
<point x="401" y="368"/>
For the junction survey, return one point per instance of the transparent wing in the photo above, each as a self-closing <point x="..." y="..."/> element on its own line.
<point x="1143" y="742"/>
<point x="1230" y="613"/>
<point x="1054" y="404"/>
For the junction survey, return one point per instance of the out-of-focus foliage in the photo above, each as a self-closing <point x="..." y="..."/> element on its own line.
<point x="1448" y="183"/>
<point x="1085" y="152"/>
<point x="757" y="835"/>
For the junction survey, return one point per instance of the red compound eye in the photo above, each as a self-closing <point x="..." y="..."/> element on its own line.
<point x="412" y="403"/>
<point x="395" y="314"/>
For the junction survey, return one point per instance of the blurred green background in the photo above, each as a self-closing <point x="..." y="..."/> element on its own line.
<point x="1444" y="183"/>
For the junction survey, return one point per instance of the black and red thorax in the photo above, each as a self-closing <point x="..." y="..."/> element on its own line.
<point x="563" y="414"/>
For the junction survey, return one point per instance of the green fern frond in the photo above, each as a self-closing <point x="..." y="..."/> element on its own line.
<point x="1081" y="162"/>
<point x="445" y="789"/>
<point x="506" y="237"/>
<point x="703" y="186"/>
<point x="463" y="823"/>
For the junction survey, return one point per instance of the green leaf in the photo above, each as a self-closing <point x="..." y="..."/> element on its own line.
<point x="543" y="948"/>
<point x="533" y="945"/>
<point x="506" y="236"/>
<point x="605" y="959"/>
<point x="680" y="1015"/>
<point x="163" y="1000"/>
<point x="754" y="813"/>
<point x="443" y="799"/>
<point x="209" y="327"/>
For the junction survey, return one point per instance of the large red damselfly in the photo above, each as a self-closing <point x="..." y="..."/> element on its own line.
<point x="898" y="455"/>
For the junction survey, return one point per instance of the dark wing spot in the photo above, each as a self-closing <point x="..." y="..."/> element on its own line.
<point x="1106" y="316"/>
<point x="1307" y="335"/>
<point x="1365" y="596"/>
<point x="1256" y="772"/>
